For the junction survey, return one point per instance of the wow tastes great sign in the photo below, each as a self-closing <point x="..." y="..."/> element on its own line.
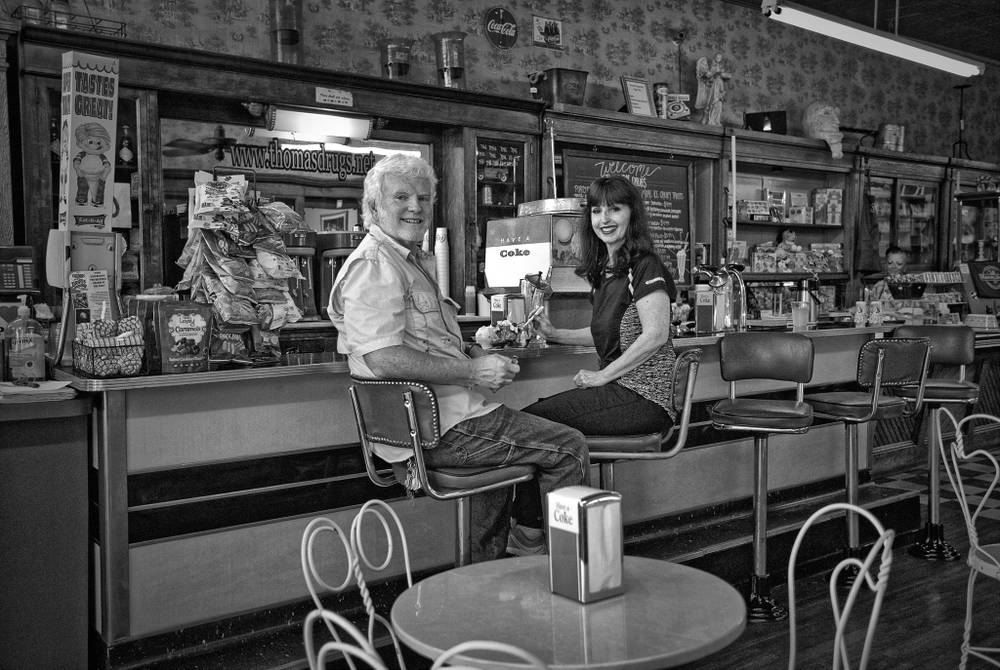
<point x="87" y="142"/>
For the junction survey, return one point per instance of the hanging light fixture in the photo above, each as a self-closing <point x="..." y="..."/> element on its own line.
<point x="315" y="123"/>
<point x="869" y="38"/>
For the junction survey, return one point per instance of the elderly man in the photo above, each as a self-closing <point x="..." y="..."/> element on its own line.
<point x="392" y="322"/>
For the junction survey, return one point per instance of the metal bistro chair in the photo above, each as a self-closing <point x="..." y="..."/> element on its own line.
<point x="954" y="346"/>
<point x="883" y="364"/>
<point x="404" y="413"/>
<point x="774" y="356"/>
<point x="983" y="559"/>
<point x="355" y="648"/>
<point x="880" y="552"/>
<point x="451" y="658"/>
<point x="353" y="560"/>
<point x="607" y="449"/>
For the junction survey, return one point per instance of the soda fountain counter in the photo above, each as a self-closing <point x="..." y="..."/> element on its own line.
<point x="204" y="482"/>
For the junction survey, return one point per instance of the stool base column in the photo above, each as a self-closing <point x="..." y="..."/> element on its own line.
<point x="850" y="573"/>
<point x="933" y="547"/>
<point x="761" y="607"/>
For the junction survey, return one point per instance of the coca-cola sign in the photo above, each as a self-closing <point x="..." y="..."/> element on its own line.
<point x="500" y="27"/>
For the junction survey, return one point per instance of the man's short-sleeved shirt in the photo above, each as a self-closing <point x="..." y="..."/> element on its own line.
<point x="385" y="295"/>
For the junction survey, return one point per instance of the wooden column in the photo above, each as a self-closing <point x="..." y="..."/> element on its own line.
<point x="7" y="30"/>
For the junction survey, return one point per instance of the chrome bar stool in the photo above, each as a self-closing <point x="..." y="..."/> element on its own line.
<point x="608" y="449"/>
<point x="784" y="357"/>
<point x="404" y="413"/>
<point x="955" y="346"/>
<point x="883" y="364"/>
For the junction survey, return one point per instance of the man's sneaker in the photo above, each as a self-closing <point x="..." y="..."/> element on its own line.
<point x="526" y="542"/>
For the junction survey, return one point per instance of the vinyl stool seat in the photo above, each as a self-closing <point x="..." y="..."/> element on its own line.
<point x="953" y="346"/>
<point x="766" y="415"/>
<point x="784" y="357"/>
<point x="606" y="450"/>
<point x="404" y="413"/>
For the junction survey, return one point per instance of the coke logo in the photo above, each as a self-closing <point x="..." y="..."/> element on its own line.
<point x="509" y="29"/>
<point x="506" y="253"/>
<point x="500" y="27"/>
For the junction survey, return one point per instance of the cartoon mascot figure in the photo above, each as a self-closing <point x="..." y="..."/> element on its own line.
<point x="91" y="165"/>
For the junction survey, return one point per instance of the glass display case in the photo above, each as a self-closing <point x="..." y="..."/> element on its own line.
<point x="906" y="214"/>
<point x="976" y="235"/>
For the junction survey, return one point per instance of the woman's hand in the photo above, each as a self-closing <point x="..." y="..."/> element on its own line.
<point x="586" y="378"/>
<point x="544" y="326"/>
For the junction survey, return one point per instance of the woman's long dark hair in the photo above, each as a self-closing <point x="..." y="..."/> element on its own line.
<point x="614" y="190"/>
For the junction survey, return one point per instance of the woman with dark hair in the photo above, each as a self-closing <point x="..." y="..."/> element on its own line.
<point x="631" y="294"/>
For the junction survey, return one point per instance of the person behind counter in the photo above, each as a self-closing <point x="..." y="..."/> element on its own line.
<point x="631" y="294"/>
<point x="895" y="265"/>
<point x="393" y="323"/>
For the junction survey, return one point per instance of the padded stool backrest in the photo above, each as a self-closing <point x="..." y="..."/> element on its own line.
<point x="780" y="356"/>
<point x="950" y="345"/>
<point x="383" y="416"/>
<point x="904" y="361"/>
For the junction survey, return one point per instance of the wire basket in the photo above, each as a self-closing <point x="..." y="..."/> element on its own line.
<point x="104" y="362"/>
<point x="55" y="18"/>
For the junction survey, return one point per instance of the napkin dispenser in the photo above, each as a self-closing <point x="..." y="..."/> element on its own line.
<point x="585" y="543"/>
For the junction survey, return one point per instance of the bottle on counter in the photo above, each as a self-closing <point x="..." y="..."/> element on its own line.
<point x="54" y="138"/>
<point x="126" y="148"/>
<point x="24" y="347"/>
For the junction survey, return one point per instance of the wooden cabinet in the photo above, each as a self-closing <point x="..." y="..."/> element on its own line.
<point x="489" y="173"/>
<point x="207" y="100"/>
<point x="794" y="211"/>
<point x="675" y="164"/>
<point x="976" y="236"/>
<point x="903" y="199"/>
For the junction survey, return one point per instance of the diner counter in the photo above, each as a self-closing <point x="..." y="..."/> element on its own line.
<point x="205" y="482"/>
<point x="82" y="383"/>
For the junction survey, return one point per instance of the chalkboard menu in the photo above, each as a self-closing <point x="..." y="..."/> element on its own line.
<point x="665" y="187"/>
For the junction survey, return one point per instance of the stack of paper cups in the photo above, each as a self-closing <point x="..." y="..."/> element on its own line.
<point x="442" y="257"/>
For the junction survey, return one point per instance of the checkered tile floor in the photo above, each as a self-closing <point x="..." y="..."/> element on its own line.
<point x="976" y="475"/>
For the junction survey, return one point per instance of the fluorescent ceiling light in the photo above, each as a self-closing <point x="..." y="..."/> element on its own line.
<point x="894" y="45"/>
<point x="317" y="123"/>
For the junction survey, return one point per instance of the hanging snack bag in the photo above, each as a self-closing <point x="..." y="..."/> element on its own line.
<point x="184" y="331"/>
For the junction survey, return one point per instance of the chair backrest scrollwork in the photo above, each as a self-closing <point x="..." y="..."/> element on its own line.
<point x="878" y="559"/>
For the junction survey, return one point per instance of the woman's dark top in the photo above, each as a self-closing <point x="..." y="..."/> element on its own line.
<point x="615" y="326"/>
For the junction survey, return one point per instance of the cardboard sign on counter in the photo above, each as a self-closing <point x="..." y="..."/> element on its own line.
<point x="88" y="124"/>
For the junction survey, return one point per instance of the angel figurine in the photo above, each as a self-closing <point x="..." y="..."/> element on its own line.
<point x="712" y="78"/>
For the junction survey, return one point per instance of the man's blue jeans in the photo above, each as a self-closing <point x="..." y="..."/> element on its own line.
<point x="509" y="437"/>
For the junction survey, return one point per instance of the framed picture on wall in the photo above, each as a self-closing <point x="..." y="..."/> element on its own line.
<point x="331" y="220"/>
<point x="638" y="96"/>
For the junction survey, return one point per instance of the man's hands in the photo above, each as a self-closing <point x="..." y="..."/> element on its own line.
<point x="494" y="371"/>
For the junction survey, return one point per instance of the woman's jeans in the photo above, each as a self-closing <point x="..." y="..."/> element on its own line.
<point x="509" y="437"/>
<point x="611" y="409"/>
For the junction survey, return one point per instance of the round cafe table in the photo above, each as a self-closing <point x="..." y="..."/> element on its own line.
<point x="669" y="614"/>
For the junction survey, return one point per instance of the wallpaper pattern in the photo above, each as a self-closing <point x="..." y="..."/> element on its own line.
<point x="773" y="67"/>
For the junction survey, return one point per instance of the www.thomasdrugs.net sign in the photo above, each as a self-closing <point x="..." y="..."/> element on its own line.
<point x="343" y="164"/>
